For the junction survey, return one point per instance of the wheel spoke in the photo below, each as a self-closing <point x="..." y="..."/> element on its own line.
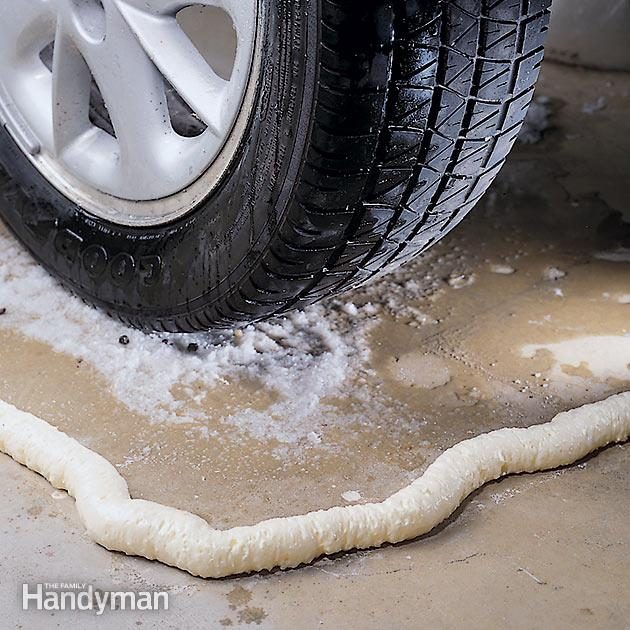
<point x="171" y="50"/>
<point x="171" y="7"/>
<point x="70" y="91"/>
<point x="242" y="12"/>
<point x="157" y="7"/>
<point x="133" y="92"/>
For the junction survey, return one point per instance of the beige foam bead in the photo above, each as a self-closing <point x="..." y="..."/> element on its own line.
<point x="186" y="541"/>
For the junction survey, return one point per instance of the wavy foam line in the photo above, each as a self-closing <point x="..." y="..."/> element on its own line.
<point x="183" y="540"/>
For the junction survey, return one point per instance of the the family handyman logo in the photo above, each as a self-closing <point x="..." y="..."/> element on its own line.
<point x="87" y="598"/>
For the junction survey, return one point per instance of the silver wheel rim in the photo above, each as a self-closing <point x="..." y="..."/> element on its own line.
<point x="131" y="108"/>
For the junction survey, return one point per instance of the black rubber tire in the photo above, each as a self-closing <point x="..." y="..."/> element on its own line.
<point x="378" y="126"/>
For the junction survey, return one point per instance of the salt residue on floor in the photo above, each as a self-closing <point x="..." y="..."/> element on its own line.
<point x="596" y="357"/>
<point x="618" y="255"/>
<point x="420" y="369"/>
<point x="537" y="121"/>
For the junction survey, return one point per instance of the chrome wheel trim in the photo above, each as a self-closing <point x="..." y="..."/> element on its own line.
<point x="147" y="173"/>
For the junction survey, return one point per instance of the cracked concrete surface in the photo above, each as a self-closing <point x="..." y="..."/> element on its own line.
<point x="537" y="324"/>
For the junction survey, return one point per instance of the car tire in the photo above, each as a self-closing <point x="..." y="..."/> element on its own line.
<point x="376" y="127"/>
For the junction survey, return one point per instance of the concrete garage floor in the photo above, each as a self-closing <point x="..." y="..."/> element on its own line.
<point x="527" y="313"/>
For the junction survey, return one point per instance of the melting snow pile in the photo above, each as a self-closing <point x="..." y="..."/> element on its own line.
<point x="304" y="357"/>
<point x="306" y="352"/>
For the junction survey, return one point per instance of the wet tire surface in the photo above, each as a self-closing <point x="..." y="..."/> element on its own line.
<point x="378" y="126"/>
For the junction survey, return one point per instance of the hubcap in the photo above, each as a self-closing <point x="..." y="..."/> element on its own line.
<point x="132" y="108"/>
